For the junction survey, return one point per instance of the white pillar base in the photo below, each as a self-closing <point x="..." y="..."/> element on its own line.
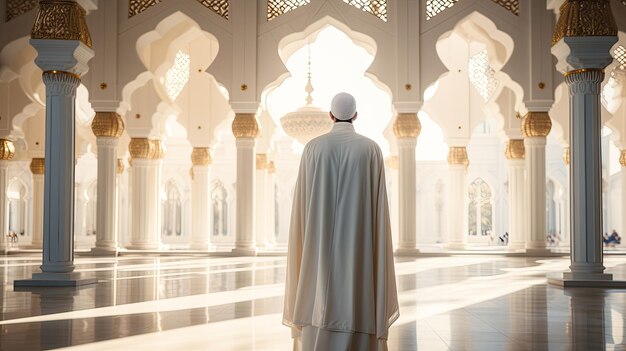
<point x="245" y="251"/>
<point x="456" y="246"/>
<point x="538" y="252"/>
<point x="55" y="279"/>
<point x="102" y="251"/>
<point x="595" y="280"/>
<point x="407" y="251"/>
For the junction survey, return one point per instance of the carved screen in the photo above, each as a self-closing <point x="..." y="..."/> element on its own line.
<point x="276" y="8"/>
<point x="620" y="56"/>
<point x="16" y="8"/>
<point x="482" y="75"/>
<point x="435" y="7"/>
<point x="377" y="8"/>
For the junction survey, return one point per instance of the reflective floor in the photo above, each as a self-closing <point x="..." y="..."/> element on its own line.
<point x="225" y="303"/>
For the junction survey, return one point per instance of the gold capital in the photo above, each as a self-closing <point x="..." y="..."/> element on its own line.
<point x="37" y="165"/>
<point x="261" y="162"/>
<point x="145" y="148"/>
<point x="584" y="18"/>
<point x="457" y="155"/>
<point x="120" y="166"/>
<point x="622" y="158"/>
<point x="7" y="150"/>
<point x="271" y="167"/>
<point x="536" y="124"/>
<point x="201" y="156"/>
<point x="245" y="126"/>
<point x="107" y="124"/>
<point x="61" y="20"/>
<point x="407" y="125"/>
<point x="515" y="149"/>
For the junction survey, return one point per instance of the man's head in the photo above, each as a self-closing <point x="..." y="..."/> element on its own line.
<point x="343" y="108"/>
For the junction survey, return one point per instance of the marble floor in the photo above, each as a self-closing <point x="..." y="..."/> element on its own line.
<point x="229" y="303"/>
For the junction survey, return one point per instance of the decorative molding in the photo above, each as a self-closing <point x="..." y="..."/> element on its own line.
<point x="7" y="149"/>
<point x="220" y="7"/>
<point x="60" y="83"/>
<point x="435" y="7"/>
<point x="584" y="18"/>
<point x="201" y="156"/>
<point x="407" y="125"/>
<point x="245" y="126"/>
<point x="107" y="124"/>
<point x="515" y="149"/>
<point x="16" y="8"/>
<point x="261" y="162"/>
<point x="377" y="8"/>
<point x="536" y="124"/>
<point x="37" y="165"/>
<point x="457" y="155"/>
<point x="61" y="20"/>
<point x="276" y="8"/>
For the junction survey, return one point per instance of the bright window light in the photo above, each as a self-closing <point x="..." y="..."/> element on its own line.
<point x="178" y="75"/>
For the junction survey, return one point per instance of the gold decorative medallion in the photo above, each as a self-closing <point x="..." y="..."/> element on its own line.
<point x="107" y="124"/>
<point x="407" y="125"/>
<point x="37" y="165"/>
<point x="61" y="20"/>
<point x="515" y="149"/>
<point x="201" y="156"/>
<point x="536" y="124"/>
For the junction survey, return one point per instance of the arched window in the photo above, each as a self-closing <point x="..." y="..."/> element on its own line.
<point x="220" y="210"/>
<point x="92" y="198"/>
<point x="172" y="211"/>
<point x="553" y="225"/>
<point x="480" y="210"/>
<point x="16" y="195"/>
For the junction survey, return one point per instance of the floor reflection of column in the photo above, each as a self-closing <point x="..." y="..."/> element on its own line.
<point x="587" y="318"/>
<point x="245" y="279"/>
<point x="106" y="274"/>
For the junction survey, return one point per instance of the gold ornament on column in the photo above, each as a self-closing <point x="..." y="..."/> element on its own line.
<point x="407" y="125"/>
<point x="107" y="124"/>
<point x="201" y="156"/>
<point x="37" y="165"/>
<point x="245" y="126"/>
<point x="159" y="149"/>
<point x="566" y="156"/>
<point x="271" y="167"/>
<point x="536" y="124"/>
<point x="120" y="166"/>
<point x="392" y="162"/>
<point x="457" y="155"/>
<point x="622" y="158"/>
<point x="7" y="150"/>
<point x="584" y="18"/>
<point x="61" y="20"/>
<point x="515" y="149"/>
<point x="261" y="162"/>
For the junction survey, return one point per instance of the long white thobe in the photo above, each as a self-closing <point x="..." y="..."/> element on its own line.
<point x="340" y="270"/>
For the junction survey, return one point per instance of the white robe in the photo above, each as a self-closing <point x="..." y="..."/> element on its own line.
<point x="340" y="270"/>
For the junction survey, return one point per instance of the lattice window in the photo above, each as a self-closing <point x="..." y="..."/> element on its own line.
<point x="16" y="8"/>
<point x="218" y="6"/>
<point x="377" y="8"/>
<point x="276" y="8"/>
<point x="482" y="75"/>
<point x="511" y="5"/>
<point x="136" y="7"/>
<point x="178" y="75"/>
<point x="620" y="56"/>
<point x="435" y="7"/>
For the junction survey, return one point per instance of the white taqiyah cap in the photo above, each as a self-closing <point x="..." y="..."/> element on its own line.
<point x="343" y="106"/>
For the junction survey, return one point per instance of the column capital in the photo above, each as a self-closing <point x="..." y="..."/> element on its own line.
<point x="7" y="149"/>
<point x="37" y="165"/>
<point x="457" y="155"/>
<point x="245" y="126"/>
<point x="407" y="125"/>
<point x="144" y="148"/>
<point x="584" y="18"/>
<point x="107" y="124"/>
<point x="622" y="158"/>
<point x="201" y="156"/>
<point x="261" y="162"/>
<point x="61" y="20"/>
<point x="514" y="149"/>
<point x="536" y="123"/>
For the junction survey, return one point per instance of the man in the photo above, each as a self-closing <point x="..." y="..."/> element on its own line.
<point x="340" y="292"/>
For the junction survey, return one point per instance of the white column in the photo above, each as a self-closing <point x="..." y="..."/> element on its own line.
<point x="260" y="198"/>
<point x="108" y="127"/>
<point x="565" y="237"/>
<point x="145" y="233"/>
<point x="246" y="130"/>
<point x="270" y="205"/>
<point x="7" y="150"/>
<point x="458" y="162"/>
<point x="622" y="161"/>
<point x="118" y="190"/>
<point x="406" y="129"/>
<point x="515" y="158"/>
<point x="582" y="59"/>
<point x="62" y="62"/>
<point x="37" y="168"/>
<point x="201" y="199"/>
<point x="535" y="127"/>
